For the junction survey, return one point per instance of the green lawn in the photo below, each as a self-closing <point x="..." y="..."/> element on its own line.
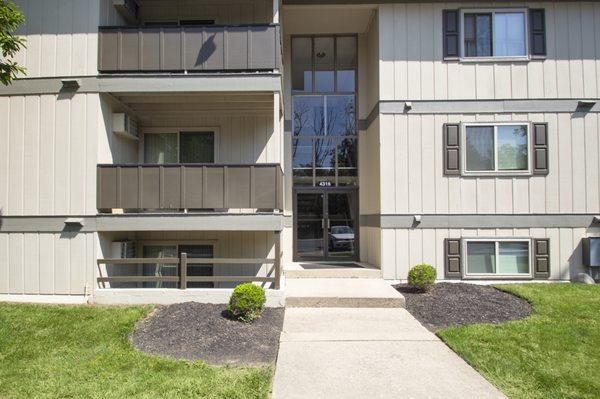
<point x="84" y="352"/>
<point x="554" y="353"/>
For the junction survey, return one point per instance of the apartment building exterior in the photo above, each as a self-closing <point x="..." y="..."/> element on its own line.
<point x="163" y="150"/>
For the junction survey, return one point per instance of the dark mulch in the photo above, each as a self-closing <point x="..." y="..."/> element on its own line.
<point x="196" y="331"/>
<point x="457" y="304"/>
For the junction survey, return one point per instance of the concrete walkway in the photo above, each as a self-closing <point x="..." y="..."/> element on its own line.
<point x="369" y="353"/>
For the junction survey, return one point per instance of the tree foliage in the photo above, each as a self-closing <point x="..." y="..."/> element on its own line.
<point x="10" y="44"/>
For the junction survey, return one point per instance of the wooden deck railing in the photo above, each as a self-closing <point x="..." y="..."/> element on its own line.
<point x="131" y="49"/>
<point x="183" y="262"/>
<point x="189" y="186"/>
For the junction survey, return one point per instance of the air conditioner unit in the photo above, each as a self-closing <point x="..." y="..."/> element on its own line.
<point x="125" y="125"/>
<point x="122" y="249"/>
<point x="129" y="10"/>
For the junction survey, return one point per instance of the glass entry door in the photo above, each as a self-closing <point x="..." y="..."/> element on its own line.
<point x="325" y="225"/>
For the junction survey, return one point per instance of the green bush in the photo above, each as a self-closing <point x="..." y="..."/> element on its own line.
<point x="247" y="302"/>
<point x="422" y="277"/>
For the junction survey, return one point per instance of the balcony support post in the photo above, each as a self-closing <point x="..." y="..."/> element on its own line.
<point x="183" y="271"/>
<point x="277" y="284"/>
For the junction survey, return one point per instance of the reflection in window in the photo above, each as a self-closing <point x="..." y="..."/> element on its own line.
<point x="324" y="64"/>
<point x="309" y="116"/>
<point x="341" y="115"/>
<point x="498" y="257"/>
<point x="497" y="148"/>
<point x="497" y="34"/>
<point x="302" y="61"/>
<point x="324" y="148"/>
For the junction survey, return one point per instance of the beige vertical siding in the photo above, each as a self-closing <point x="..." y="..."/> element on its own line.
<point x="48" y="152"/>
<point x="52" y="264"/>
<point x="62" y="37"/>
<point x="412" y="66"/>
<point x="411" y="167"/>
<point x="228" y="244"/>
<point x="405" y="248"/>
<point x="223" y="12"/>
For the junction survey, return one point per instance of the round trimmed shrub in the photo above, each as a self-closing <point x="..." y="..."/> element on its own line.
<point x="422" y="277"/>
<point x="247" y="302"/>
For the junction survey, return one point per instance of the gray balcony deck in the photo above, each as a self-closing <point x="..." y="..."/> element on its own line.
<point x="190" y="186"/>
<point x="212" y="48"/>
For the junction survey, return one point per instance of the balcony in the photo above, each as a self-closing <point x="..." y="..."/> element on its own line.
<point x="142" y="187"/>
<point x="214" y="48"/>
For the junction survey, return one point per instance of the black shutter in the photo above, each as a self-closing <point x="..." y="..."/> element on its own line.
<point x="451" y="150"/>
<point x="541" y="258"/>
<point x="451" y="34"/>
<point x="540" y="148"/>
<point x="452" y="261"/>
<point x="537" y="26"/>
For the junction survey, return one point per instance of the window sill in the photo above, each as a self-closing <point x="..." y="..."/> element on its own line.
<point x="498" y="277"/>
<point x="495" y="175"/>
<point x="468" y="60"/>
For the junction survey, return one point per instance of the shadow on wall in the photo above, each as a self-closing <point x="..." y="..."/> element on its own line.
<point x="207" y="50"/>
<point x="0" y="218"/>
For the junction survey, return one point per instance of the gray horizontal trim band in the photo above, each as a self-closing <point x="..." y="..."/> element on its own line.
<point x="478" y="221"/>
<point x="485" y="106"/>
<point x="143" y="222"/>
<point x="45" y="224"/>
<point x="148" y="83"/>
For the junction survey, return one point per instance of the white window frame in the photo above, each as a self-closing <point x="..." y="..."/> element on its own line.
<point x="493" y="58"/>
<point x="178" y="131"/>
<point x="496" y="171"/>
<point x="496" y="241"/>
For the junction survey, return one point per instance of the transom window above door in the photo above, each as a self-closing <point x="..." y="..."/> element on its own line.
<point x="494" y="33"/>
<point x="180" y="147"/>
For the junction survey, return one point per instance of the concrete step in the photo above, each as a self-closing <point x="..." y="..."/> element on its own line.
<point x="341" y="293"/>
<point x="334" y="272"/>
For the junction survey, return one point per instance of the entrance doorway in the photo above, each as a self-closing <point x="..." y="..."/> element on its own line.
<point x="326" y="224"/>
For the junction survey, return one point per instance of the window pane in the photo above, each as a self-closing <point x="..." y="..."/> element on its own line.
<point x="302" y="64"/>
<point x="302" y="153"/>
<point x="481" y="257"/>
<point x="324" y="63"/>
<point x="152" y="269"/>
<point x="309" y="116"/>
<point x="325" y="152"/>
<point x="346" y="63"/>
<point x="509" y="34"/>
<point x="197" y="147"/>
<point x="478" y="35"/>
<point x="512" y="148"/>
<point x="480" y="148"/>
<point x="513" y="258"/>
<point x="160" y="148"/>
<point x="347" y="153"/>
<point x="341" y="115"/>
<point x="198" y="251"/>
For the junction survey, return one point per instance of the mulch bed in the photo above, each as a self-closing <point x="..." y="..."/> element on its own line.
<point x="196" y="331"/>
<point x="457" y="304"/>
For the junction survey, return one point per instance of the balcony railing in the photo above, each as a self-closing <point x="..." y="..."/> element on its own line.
<point x="189" y="186"/>
<point x="126" y="49"/>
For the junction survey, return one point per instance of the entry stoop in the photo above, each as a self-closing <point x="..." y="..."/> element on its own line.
<point x="341" y="293"/>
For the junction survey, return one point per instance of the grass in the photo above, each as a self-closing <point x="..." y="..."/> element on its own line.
<point x="84" y="352"/>
<point x="554" y="353"/>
